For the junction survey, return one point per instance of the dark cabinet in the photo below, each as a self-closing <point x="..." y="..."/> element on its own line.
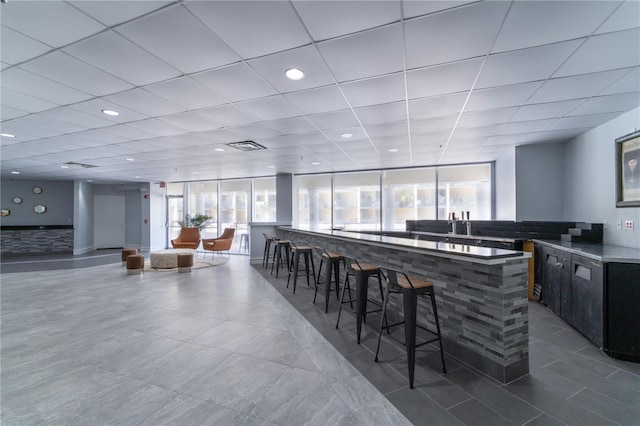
<point x="556" y="281"/>
<point x="587" y="298"/>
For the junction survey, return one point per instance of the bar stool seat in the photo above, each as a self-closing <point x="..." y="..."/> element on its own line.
<point x="333" y="265"/>
<point x="411" y="288"/>
<point x="127" y="252"/>
<point x="135" y="264"/>
<point x="362" y="272"/>
<point x="307" y="253"/>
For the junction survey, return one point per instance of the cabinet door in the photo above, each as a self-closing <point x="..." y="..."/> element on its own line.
<point x="556" y="281"/>
<point x="587" y="297"/>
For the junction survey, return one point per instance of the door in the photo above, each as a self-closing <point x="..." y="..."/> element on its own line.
<point x="586" y="298"/>
<point x="108" y="221"/>
<point x="556" y="281"/>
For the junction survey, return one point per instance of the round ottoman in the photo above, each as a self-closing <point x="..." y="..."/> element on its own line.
<point x="127" y="252"/>
<point x="185" y="262"/>
<point x="135" y="264"/>
<point x="167" y="259"/>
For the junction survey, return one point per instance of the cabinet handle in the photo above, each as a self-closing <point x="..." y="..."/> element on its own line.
<point x="560" y="265"/>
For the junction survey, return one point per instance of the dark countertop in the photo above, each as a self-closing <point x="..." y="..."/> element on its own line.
<point x="33" y="227"/>
<point x="471" y="237"/>
<point x="473" y="253"/>
<point x="600" y="252"/>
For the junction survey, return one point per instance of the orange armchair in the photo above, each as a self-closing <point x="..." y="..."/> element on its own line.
<point x="222" y="243"/>
<point x="188" y="238"/>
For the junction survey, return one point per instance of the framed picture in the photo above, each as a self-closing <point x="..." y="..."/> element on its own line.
<point x="627" y="170"/>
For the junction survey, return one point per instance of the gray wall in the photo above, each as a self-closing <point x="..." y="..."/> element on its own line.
<point x="589" y="187"/>
<point x="284" y="198"/>
<point x="83" y="217"/>
<point x="539" y="182"/>
<point x="505" y="182"/>
<point x="57" y="196"/>
<point x="134" y="212"/>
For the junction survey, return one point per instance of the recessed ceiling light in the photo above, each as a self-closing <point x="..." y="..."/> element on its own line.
<point x="130" y="159"/>
<point x="315" y="163"/>
<point x="110" y="112"/>
<point x="137" y="177"/>
<point x="347" y="135"/>
<point x="7" y="135"/>
<point x="15" y="173"/>
<point x="294" y="74"/>
<point x="89" y="180"/>
<point x="219" y="149"/>
<point x="64" y="167"/>
<point x="271" y="167"/>
<point x="393" y="150"/>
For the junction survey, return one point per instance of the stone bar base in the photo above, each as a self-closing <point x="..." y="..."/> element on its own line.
<point x="482" y="304"/>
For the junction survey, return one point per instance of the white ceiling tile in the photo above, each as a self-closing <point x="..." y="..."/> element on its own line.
<point x="235" y="83"/>
<point x="328" y="19"/>
<point x="17" y="47"/>
<point x="611" y="103"/>
<point x="468" y="31"/>
<point x="269" y="108"/>
<point x="412" y="8"/>
<point x="95" y="106"/>
<point x="186" y="92"/>
<point x="157" y="127"/>
<point x="292" y="125"/>
<point x="546" y="110"/>
<point x="534" y="23"/>
<point x="581" y="121"/>
<point x="556" y="135"/>
<point x="192" y="121"/>
<point x="272" y="68"/>
<point x="54" y="23"/>
<point x="388" y="129"/>
<point x="144" y="102"/>
<point x="40" y="121"/>
<point x="24" y="130"/>
<point x="253" y="28"/>
<point x="630" y="82"/>
<point x="67" y="70"/>
<point x="382" y="113"/>
<point x="184" y="41"/>
<point x="507" y="139"/>
<point x="437" y="106"/>
<point x="334" y="119"/>
<point x="365" y="54"/>
<point x="99" y="136"/>
<point x="484" y="118"/>
<point x="336" y="134"/>
<point x="533" y="64"/>
<point x="604" y="52"/>
<point x="626" y="16"/>
<point x="227" y="115"/>
<point x="574" y="87"/>
<point x="321" y="99"/>
<point x="77" y="117"/>
<point x="128" y="132"/>
<point x="105" y="12"/>
<point x="522" y="127"/>
<point x="500" y="97"/>
<point x="373" y="91"/>
<point x="473" y="133"/>
<point x="116" y="55"/>
<point x="254" y="131"/>
<point x="433" y="125"/>
<point x="442" y="79"/>
<point x="8" y="113"/>
<point x="28" y="83"/>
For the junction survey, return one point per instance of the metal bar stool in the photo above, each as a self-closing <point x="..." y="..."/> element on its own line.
<point x="307" y="252"/>
<point x="410" y="288"/>
<point x="362" y="272"/>
<point x="278" y="261"/>
<point x="333" y="264"/>
<point x="268" y="243"/>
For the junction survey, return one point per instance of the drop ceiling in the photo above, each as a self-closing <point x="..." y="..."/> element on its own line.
<point x="437" y="82"/>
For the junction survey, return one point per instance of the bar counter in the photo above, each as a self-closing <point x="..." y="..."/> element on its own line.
<point x="481" y="292"/>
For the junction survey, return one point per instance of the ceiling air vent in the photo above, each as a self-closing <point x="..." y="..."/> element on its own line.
<point x="246" y="146"/>
<point x="74" y="165"/>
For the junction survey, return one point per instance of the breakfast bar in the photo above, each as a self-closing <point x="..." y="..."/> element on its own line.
<point x="481" y="292"/>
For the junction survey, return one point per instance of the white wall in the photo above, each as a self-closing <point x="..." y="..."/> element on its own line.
<point x="505" y="183"/>
<point x="82" y="217"/>
<point x="157" y="217"/>
<point x="589" y="190"/>
<point x="540" y="182"/>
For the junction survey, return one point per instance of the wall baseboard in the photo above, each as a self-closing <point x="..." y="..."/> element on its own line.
<point x="83" y="250"/>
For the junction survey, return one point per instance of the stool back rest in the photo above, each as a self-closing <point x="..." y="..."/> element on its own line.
<point x="348" y="261"/>
<point x="293" y="245"/>
<point x="321" y="251"/>
<point x="391" y="276"/>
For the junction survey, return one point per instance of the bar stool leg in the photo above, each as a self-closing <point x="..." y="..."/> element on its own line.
<point x="336" y="273"/>
<point x="410" y="302"/>
<point x="327" y="289"/>
<point x="345" y="286"/>
<point x="435" y="316"/>
<point x="318" y="279"/>
<point x="382" y="318"/>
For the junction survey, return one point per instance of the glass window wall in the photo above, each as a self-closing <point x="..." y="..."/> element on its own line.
<point x="356" y="203"/>
<point x="203" y="199"/>
<point x="235" y="206"/>
<point x="465" y="188"/>
<point x="407" y="195"/>
<point x="264" y="200"/>
<point x="314" y="201"/>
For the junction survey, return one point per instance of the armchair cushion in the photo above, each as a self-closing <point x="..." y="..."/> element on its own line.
<point x="188" y="238"/>
<point x="217" y="244"/>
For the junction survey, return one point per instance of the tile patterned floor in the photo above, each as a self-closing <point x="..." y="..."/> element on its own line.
<point x="83" y="343"/>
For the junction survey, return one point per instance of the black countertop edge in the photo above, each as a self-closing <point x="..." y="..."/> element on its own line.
<point x="34" y="227"/>
<point x="600" y="252"/>
<point x="443" y="249"/>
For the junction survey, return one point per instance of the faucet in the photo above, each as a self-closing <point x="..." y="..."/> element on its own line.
<point x="452" y="222"/>
<point x="467" y="222"/>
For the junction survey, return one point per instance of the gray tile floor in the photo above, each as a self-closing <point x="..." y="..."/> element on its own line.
<point x="83" y="343"/>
